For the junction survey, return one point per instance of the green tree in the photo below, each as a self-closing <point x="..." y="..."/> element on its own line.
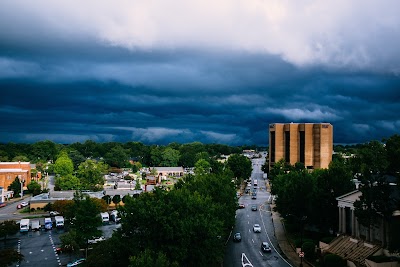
<point x="67" y="182"/>
<point x="8" y="256"/>
<point x="71" y="242"/>
<point x="107" y="199"/>
<point x="137" y="185"/>
<point x="86" y="218"/>
<point x="3" y="156"/>
<point x="64" y="165"/>
<point x="65" y="207"/>
<point x="150" y="259"/>
<point x="155" y="156"/>
<point x="202" y="155"/>
<point x="15" y="186"/>
<point x="45" y="150"/>
<point x="393" y="153"/>
<point x="216" y="166"/>
<point x="34" y="188"/>
<point x="376" y="201"/>
<point x="116" y="199"/>
<point x="188" y="153"/>
<point x="8" y="227"/>
<point x="76" y="157"/>
<point x="117" y="157"/>
<point x="294" y="193"/>
<point x="202" y="205"/>
<point x="21" y="158"/>
<point x="91" y="174"/>
<point x="170" y="157"/>
<point x="201" y="167"/>
<point x="371" y="157"/>
<point x="329" y="184"/>
<point x="111" y="252"/>
<point x="240" y="166"/>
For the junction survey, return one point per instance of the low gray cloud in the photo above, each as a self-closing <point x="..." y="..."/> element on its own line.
<point x="72" y="71"/>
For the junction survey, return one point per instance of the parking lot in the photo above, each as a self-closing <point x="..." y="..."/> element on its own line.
<point x="39" y="247"/>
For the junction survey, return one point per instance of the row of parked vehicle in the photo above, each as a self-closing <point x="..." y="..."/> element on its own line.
<point x="27" y="224"/>
<point x="112" y="216"/>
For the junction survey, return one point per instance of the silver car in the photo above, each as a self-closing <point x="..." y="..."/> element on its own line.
<point x="257" y="228"/>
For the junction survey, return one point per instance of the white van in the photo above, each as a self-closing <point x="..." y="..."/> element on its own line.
<point x="24" y="225"/>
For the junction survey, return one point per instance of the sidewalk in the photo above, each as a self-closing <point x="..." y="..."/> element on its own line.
<point x="285" y="247"/>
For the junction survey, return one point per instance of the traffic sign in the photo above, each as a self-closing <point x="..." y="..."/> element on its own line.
<point x="301" y="254"/>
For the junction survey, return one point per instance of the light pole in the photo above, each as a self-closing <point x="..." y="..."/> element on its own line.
<point x="22" y="187"/>
<point x="301" y="255"/>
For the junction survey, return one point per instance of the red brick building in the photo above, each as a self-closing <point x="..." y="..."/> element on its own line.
<point x="10" y="170"/>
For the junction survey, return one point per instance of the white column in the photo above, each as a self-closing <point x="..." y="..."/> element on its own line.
<point x="353" y="224"/>
<point x="344" y="219"/>
<point x="340" y="220"/>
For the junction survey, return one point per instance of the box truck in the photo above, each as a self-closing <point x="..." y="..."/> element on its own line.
<point x="24" y="225"/>
<point x="59" y="221"/>
<point x="48" y="224"/>
<point x="105" y="218"/>
<point x="35" y="225"/>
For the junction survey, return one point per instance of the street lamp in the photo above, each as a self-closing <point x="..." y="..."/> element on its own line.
<point x="301" y="254"/>
<point x="22" y="185"/>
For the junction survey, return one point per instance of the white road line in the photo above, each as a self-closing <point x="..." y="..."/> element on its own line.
<point x="269" y="239"/>
<point x="248" y="263"/>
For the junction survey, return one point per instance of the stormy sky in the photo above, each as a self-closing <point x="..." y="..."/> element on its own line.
<point x="161" y="71"/>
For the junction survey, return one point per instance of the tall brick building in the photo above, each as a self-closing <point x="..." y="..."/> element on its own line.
<point x="308" y="143"/>
<point x="10" y="170"/>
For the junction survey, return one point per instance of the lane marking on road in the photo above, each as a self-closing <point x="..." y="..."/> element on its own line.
<point x="248" y="263"/>
<point x="272" y="245"/>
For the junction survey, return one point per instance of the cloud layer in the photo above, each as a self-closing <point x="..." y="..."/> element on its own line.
<point x="167" y="71"/>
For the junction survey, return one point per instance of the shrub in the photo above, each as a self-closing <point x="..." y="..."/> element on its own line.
<point x="309" y="249"/>
<point x="380" y="258"/>
<point x="299" y="241"/>
<point x="333" y="260"/>
<point x="327" y="239"/>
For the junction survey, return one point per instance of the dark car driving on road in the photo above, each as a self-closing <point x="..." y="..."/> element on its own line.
<point x="265" y="247"/>
<point x="237" y="237"/>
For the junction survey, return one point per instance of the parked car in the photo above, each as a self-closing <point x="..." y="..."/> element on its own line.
<point x="24" y="204"/>
<point x="257" y="228"/>
<point x="265" y="247"/>
<point x="76" y="263"/>
<point x="97" y="239"/>
<point x="254" y="207"/>
<point x="54" y="213"/>
<point x="241" y="206"/>
<point x="2" y="204"/>
<point x="237" y="237"/>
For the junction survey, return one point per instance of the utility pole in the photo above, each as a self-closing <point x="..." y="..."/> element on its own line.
<point x="22" y="185"/>
<point x="301" y="254"/>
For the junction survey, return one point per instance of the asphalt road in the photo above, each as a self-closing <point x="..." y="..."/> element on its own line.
<point x="248" y="251"/>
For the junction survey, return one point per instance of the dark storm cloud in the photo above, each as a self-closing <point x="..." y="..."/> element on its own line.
<point x="70" y="76"/>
